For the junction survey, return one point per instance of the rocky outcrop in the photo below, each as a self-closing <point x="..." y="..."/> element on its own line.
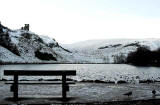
<point x="5" y="40"/>
<point x="28" y="47"/>
<point x="44" y="56"/>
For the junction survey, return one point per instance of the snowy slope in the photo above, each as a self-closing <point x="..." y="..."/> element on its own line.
<point x="8" y="56"/>
<point x="95" y="44"/>
<point x="108" y="51"/>
<point x="22" y="46"/>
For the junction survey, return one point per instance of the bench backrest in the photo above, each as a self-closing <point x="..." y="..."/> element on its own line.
<point x="40" y="72"/>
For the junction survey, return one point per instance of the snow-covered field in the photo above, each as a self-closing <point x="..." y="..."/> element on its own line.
<point x="92" y="72"/>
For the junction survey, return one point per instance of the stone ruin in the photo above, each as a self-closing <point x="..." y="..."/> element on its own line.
<point x="26" y="27"/>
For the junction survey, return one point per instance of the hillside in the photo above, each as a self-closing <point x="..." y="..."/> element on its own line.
<point x="109" y="51"/>
<point x="23" y="46"/>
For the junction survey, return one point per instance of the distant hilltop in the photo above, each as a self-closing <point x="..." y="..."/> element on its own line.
<point x="24" y="46"/>
<point x="117" y="51"/>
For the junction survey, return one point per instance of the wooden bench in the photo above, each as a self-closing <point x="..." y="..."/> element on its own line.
<point x="17" y="73"/>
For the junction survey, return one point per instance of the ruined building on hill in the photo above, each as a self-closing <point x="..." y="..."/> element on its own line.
<point x="26" y="27"/>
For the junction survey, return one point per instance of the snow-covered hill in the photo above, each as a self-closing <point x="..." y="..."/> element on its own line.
<point x="108" y="51"/>
<point x="22" y="46"/>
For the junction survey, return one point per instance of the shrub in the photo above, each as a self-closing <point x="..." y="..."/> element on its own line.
<point x="44" y="56"/>
<point x="142" y="56"/>
<point x="119" y="59"/>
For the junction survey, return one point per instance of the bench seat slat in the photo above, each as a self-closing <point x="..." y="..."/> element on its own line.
<point x="43" y="83"/>
<point x="40" y="72"/>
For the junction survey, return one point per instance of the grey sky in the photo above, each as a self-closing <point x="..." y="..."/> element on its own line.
<point x="70" y="21"/>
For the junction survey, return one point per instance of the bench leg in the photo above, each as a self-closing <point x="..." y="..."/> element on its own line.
<point x="64" y="86"/>
<point x="15" y="92"/>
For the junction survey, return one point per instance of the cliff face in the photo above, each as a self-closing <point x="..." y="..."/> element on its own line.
<point x="22" y="46"/>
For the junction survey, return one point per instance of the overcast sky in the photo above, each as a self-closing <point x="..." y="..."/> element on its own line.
<point x="71" y="21"/>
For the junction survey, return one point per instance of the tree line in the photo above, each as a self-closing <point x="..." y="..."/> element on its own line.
<point x="143" y="56"/>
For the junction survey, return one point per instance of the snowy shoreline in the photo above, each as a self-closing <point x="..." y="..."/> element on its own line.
<point x="85" y="81"/>
<point x="51" y="63"/>
<point x="78" y="63"/>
